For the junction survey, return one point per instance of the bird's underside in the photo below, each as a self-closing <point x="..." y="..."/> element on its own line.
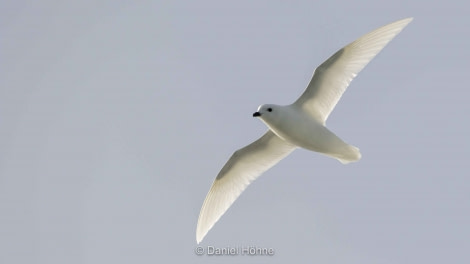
<point x="328" y="83"/>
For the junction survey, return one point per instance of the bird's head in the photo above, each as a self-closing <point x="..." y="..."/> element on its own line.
<point x="268" y="112"/>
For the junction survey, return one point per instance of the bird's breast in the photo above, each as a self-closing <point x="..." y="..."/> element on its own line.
<point x="304" y="131"/>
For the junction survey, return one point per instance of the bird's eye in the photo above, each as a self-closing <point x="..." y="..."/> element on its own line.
<point x="270" y="109"/>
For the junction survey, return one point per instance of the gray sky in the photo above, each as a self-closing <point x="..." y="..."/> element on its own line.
<point x="115" y="117"/>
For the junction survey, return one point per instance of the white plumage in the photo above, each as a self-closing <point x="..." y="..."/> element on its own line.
<point x="301" y="124"/>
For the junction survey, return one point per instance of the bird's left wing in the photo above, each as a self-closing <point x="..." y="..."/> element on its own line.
<point x="333" y="76"/>
<point x="245" y="165"/>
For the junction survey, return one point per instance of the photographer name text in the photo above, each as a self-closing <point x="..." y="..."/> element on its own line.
<point x="234" y="251"/>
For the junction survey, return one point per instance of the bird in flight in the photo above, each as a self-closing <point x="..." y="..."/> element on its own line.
<point x="298" y="125"/>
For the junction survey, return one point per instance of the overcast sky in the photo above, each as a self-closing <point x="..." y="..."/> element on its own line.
<point x="116" y="116"/>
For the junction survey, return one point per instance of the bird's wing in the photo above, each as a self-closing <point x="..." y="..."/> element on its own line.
<point x="333" y="76"/>
<point x="245" y="165"/>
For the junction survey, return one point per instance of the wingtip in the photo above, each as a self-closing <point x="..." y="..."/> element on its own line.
<point x="201" y="232"/>
<point x="406" y="20"/>
<point x="402" y="23"/>
<point x="199" y="238"/>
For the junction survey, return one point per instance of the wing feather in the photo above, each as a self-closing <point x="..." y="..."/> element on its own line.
<point x="332" y="77"/>
<point x="245" y="165"/>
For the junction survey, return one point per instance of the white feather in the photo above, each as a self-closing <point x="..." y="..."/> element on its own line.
<point x="299" y="124"/>
<point x="333" y="76"/>
<point x="245" y="165"/>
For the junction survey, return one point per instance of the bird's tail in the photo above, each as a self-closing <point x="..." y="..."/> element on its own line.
<point x="350" y="154"/>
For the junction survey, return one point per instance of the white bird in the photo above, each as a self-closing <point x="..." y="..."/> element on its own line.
<point x="301" y="124"/>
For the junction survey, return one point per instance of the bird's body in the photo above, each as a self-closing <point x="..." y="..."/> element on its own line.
<point x="301" y="124"/>
<point x="291" y="124"/>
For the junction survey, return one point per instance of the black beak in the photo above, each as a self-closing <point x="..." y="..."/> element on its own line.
<point x="255" y="114"/>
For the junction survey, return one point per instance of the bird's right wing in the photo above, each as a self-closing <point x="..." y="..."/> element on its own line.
<point x="333" y="76"/>
<point x="245" y="165"/>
